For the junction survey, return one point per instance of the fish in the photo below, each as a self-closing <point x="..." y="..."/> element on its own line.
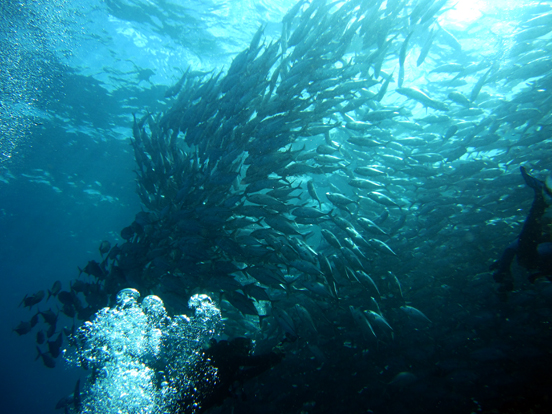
<point x="339" y="200"/>
<point x="331" y="238"/>
<point x="56" y="287"/>
<point x="306" y="319"/>
<point x="127" y="233"/>
<point x="365" y="141"/>
<point x="68" y="298"/>
<point x="366" y="280"/>
<point x="49" y="317"/>
<point x="285" y="322"/>
<point x="419" y="96"/>
<point x="104" y="248"/>
<point x="34" y="320"/>
<point x="370" y="226"/>
<point x="375" y="305"/>
<point x="402" y="58"/>
<point x="64" y="402"/>
<point x="397" y="283"/>
<point x="54" y="347"/>
<point x="318" y="289"/>
<point x="378" y="320"/>
<point x="364" y="184"/>
<point x="23" y="328"/>
<point x="47" y="360"/>
<point x="304" y="251"/>
<point x="34" y="299"/>
<point x="460" y="99"/>
<point x="265" y="275"/>
<point x="383" y="89"/>
<point x="313" y="193"/>
<point x="93" y="268"/>
<point x="371" y="171"/>
<point x="449" y="38"/>
<point x="268" y="201"/>
<point x="415" y="313"/>
<point x="51" y="330"/>
<point x="309" y="212"/>
<point x="256" y="292"/>
<point x="425" y="49"/>
<point x="40" y="337"/>
<point x="305" y="267"/>
<point x="477" y="87"/>
<point x="449" y="134"/>
<point x="327" y="271"/>
<point x="285" y="226"/>
<point x="362" y="323"/>
<point x="381" y="198"/>
<point x="448" y="68"/>
<point x="241" y="302"/>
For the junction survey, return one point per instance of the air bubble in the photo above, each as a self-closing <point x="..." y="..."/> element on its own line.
<point x="127" y="296"/>
<point x="139" y="352"/>
<point x="154" y="307"/>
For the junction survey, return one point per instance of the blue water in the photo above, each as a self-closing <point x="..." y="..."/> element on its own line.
<point x="72" y="76"/>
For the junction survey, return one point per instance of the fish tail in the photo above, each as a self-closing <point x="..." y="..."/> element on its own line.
<point x="305" y="236"/>
<point x="23" y="301"/>
<point x="530" y="180"/>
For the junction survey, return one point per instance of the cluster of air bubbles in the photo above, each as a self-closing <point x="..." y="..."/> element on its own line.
<point x="36" y="37"/>
<point x="142" y="360"/>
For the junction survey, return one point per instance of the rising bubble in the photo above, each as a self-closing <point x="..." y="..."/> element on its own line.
<point x="142" y="360"/>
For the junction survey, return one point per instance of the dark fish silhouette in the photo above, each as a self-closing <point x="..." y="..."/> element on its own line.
<point x="30" y="301"/>
<point x="105" y="246"/>
<point x="54" y="347"/>
<point x="23" y="328"/>
<point x="69" y="298"/>
<point x="40" y="337"/>
<point x="56" y="287"/>
<point x="69" y="310"/>
<point x="34" y="320"/>
<point x="49" y="317"/>
<point x="51" y="331"/>
<point x="93" y="269"/>
<point x="127" y="233"/>
<point x="65" y="403"/>
<point x="80" y="286"/>
<point x="47" y="360"/>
